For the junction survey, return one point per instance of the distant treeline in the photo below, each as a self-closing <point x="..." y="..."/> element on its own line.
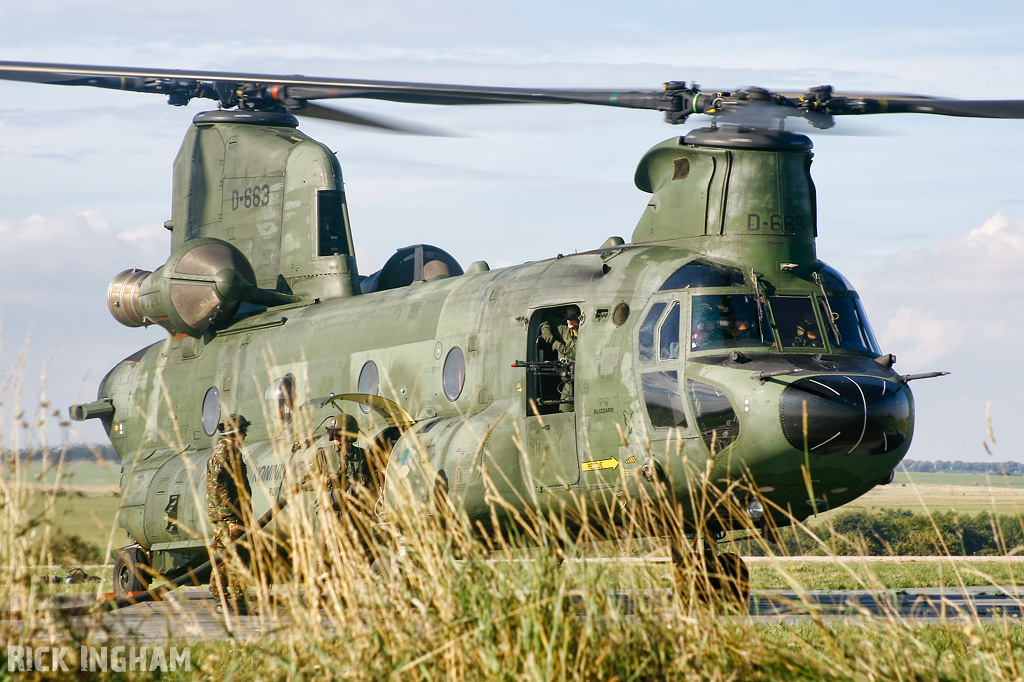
<point x="75" y="452"/>
<point x="961" y="467"/>
<point x="899" y="532"/>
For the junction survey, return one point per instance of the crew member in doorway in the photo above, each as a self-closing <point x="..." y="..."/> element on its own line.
<point x="563" y="341"/>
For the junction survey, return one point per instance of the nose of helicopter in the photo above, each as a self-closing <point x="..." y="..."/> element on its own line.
<point x="858" y="415"/>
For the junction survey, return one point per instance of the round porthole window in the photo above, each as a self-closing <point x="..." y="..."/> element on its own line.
<point x="369" y="382"/>
<point x="454" y="373"/>
<point x="211" y="410"/>
<point x="281" y="393"/>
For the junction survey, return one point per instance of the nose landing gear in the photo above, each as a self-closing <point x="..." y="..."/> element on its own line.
<point x="711" y="578"/>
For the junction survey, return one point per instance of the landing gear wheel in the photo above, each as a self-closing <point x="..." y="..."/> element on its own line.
<point x="728" y="577"/>
<point x="713" y="579"/>
<point x="131" y="571"/>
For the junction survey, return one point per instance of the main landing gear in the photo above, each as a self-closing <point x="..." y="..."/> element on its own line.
<point x="710" y="577"/>
<point x="131" y="571"/>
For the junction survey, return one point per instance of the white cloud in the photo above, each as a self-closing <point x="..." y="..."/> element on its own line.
<point x="926" y="336"/>
<point x="984" y="261"/>
<point x="930" y="303"/>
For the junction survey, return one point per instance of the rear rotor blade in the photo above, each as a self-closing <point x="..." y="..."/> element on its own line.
<point x="302" y="87"/>
<point x="323" y="113"/>
<point x="956" y="107"/>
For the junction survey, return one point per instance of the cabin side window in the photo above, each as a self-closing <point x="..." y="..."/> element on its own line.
<point x="281" y="396"/>
<point x="454" y="373"/>
<point x="211" y="411"/>
<point x="368" y="383"/>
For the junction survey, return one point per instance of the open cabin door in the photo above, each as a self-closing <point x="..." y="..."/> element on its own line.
<point x="550" y="410"/>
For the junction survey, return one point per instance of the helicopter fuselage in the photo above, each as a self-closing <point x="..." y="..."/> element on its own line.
<point x="714" y="341"/>
<point x="650" y="403"/>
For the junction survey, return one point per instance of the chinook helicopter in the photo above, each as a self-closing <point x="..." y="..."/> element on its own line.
<point x="714" y="333"/>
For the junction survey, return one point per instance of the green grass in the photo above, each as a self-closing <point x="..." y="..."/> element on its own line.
<point x="75" y="474"/>
<point x="483" y="617"/>
<point x="849" y="573"/>
<point x="89" y="516"/>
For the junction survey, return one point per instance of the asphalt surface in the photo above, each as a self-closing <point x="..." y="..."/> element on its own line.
<point x="193" y="615"/>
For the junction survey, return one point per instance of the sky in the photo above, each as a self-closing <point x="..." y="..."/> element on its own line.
<point x="924" y="214"/>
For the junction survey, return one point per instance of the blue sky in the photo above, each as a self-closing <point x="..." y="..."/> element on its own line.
<point x="924" y="214"/>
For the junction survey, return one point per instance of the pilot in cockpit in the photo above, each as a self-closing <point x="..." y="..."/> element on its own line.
<point x="806" y="336"/>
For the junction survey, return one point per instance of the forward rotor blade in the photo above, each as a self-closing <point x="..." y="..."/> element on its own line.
<point x="1004" y="108"/>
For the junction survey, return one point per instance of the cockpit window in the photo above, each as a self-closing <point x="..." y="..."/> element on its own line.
<point x="647" y="329"/>
<point x="702" y="273"/>
<point x="664" y="403"/>
<point x="795" y="320"/>
<point x="833" y="280"/>
<point x="854" y="331"/>
<point x="729" y="321"/>
<point x="669" y="338"/>
<point x="716" y="418"/>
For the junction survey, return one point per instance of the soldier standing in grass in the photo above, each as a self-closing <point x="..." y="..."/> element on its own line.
<point x="229" y="505"/>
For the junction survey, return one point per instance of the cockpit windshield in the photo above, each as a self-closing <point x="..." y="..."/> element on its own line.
<point x="729" y="321"/>
<point x="851" y="324"/>
<point x="796" y="322"/>
<point x="703" y="273"/>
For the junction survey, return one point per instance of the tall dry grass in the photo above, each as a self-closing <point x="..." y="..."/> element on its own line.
<point x="421" y="593"/>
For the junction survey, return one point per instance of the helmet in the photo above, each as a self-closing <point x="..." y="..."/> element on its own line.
<point x="345" y="423"/>
<point x="234" y="424"/>
<point x="435" y="269"/>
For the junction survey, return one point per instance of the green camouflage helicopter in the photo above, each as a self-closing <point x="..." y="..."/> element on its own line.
<point x="713" y="334"/>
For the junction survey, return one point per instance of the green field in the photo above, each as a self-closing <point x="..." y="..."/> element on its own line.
<point x="88" y="507"/>
<point x="947" y="492"/>
<point x="994" y="480"/>
<point x="75" y="474"/>
<point x="89" y="516"/>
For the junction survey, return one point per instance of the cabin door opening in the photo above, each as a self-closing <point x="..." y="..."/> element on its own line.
<point x="550" y="420"/>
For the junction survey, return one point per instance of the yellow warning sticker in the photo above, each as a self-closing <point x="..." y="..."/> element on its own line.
<point x="600" y="464"/>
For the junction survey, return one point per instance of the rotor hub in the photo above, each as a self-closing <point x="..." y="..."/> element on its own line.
<point x="745" y="137"/>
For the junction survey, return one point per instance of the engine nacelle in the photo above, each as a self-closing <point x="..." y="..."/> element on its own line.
<point x="202" y="283"/>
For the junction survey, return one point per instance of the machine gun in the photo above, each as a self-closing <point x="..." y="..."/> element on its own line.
<point x="563" y="369"/>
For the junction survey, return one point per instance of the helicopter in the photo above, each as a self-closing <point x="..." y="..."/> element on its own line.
<point x="713" y="334"/>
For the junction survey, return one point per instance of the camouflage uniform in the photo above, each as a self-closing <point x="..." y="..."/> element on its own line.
<point x="563" y="343"/>
<point x="357" y="470"/>
<point x="229" y="506"/>
<point x="344" y="473"/>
